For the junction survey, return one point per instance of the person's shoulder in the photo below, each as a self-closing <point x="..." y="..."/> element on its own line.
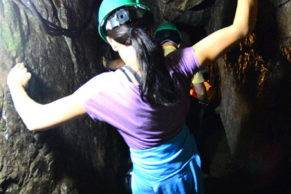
<point x="178" y="53"/>
<point x="105" y="76"/>
<point x="100" y="83"/>
<point x="101" y="80"/>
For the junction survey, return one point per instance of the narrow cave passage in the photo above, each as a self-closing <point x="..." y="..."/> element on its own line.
<point x="242" y="132"/>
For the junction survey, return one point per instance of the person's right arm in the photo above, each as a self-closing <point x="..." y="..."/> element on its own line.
<point x="37" y="116"/>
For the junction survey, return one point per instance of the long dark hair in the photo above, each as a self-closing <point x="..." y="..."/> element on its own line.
<point x="156" y="87"/>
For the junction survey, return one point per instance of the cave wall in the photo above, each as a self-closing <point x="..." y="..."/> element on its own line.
<point x="244" y="139"/>
<point x="81" y="156"/>
<point x="254" y="104"/>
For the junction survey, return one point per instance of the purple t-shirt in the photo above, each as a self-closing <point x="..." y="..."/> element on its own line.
<point x="112" y="98"/>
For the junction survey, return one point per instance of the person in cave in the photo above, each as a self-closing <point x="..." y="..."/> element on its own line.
<point x="146" y="100"/>
<point x="170" y="37"/>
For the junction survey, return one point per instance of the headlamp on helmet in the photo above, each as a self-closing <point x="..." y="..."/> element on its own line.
<point x="122" y="16"/>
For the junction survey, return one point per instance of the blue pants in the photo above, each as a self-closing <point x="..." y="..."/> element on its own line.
<point x="173" y="167"/>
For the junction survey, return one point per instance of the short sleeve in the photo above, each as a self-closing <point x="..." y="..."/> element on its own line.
<point x="184" y="62"/>
<point x="91" y="94"/>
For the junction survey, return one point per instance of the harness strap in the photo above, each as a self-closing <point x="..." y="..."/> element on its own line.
<point x="137" y="77"/>
<point x="126" y="75"/>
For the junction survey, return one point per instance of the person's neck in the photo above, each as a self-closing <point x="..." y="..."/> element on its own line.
<point x="129" y="57"/>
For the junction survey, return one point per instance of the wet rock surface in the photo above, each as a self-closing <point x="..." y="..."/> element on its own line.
<point x="243" y="136"/>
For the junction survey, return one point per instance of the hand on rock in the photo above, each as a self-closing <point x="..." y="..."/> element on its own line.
<point x="18" y="76"/>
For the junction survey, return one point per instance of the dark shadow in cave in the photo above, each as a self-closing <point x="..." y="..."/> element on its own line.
<point x="208" y="130"/>
<point x="202" y="120"/>
<point x="191" y="34"/>
<point x="204" y="5"/>
<point x="76" y="163"/>
<point x="37" y="89"/>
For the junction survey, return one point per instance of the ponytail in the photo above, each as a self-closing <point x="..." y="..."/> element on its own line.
<point x="156" y="86"/>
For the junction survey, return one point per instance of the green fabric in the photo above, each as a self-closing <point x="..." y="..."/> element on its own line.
<point x="108" y="6"/>
<point x="198" y="78"/>
<point x="168" y="49"/>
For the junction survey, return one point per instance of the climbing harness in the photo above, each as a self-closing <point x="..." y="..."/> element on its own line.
<point x="134" y="73"/>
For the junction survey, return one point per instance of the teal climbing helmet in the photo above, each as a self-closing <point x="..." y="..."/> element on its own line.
<point x="108" y="6"/>
<point x="168" y="31"/>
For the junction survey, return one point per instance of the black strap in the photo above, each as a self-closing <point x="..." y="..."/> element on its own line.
<point x="135" y="74"/>
<point x="124" y="72"/>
